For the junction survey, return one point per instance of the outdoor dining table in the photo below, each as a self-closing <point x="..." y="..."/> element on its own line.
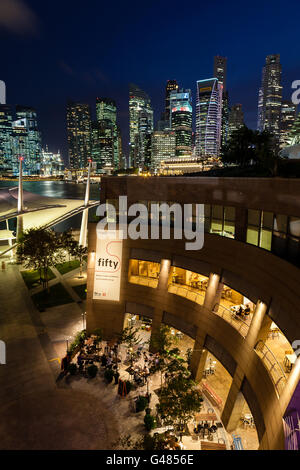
<point x="206" y="417"/>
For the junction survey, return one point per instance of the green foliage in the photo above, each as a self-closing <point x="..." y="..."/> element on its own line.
<point x="92" y="371"/>
<point x="141" y="403"/>
<point x="55" y="295"/>
<point x="162" y="340"/>
<point x="39" y="249"/>
<point x="180" y="399"/>
<point x="246" y="146"/>
<point x="109" y="375"/>
<point x="129" y="336"/>
<point x="72" y="369"/>
<point x="67" y="266"/>
<point x="150" y="422"/>
<point x="33" y="277"/>
<point x="78" y="341"/>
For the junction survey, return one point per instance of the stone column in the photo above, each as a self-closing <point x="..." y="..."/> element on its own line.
<point x="259" y="324"/>
<point x="211" y="291"/>
<point x="161" y="290"/>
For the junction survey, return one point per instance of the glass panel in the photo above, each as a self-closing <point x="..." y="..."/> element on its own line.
<point x="267" y="220"/>
<point x="294" y="226"/>
<point x="266" y="239"/>
<point x="252" y="235"/>
<point x="280" y="223"/>
<point x="216" y="226"/>
<point x="230" y="213"/>
<point x="229" y="229"/>
<point x="253" y="217"/>
<point x="279" y="244"/>
<point x="217" y="212"/>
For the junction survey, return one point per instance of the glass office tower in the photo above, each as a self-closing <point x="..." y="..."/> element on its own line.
<point x="79" y="134"/>
<point x="181" y="120"/>
<point x="140" y="110"/>
<point x="208" y="117"/>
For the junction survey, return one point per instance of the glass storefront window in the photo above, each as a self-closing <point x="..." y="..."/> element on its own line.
<point x="145" y="273"/>
<point x="266" y="239"/>
<point x="252" y="235"/>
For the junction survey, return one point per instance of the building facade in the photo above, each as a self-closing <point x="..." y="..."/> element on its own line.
<point x="79" y="134"/>
<point x="270" y="97"/>
<point x="172" y="86"/>
<point x="163" y="145"/>
<point x="220" y="72"/>
<point x="236" y="119"/>
<point x="250" y="233"/>
<point x="287" y="121"/>
<point x="106" y="110"/>
<point x="208" y="117"/>
<point x="51" y="163"/>
<point x="139" y="105"/>
<point x="181" y="116"/>
<point x="6" y="139"/>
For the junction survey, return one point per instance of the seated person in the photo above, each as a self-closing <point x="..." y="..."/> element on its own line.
<point x="247" y="310"/>
<point x="240" y="312"/>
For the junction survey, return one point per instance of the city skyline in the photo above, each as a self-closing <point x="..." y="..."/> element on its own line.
<point x="64" y="72"/>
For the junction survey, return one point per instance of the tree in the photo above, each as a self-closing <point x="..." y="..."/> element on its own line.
<point x="79" y="252"/>
<point x="130" y="338"/>
<point x="246" y="147"/>
<point x="179" y="400"/>
<point x="39" y="249"/>
<point x="68" y="242"/>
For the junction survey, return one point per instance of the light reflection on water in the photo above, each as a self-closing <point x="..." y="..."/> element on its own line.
<point x="60" y="189"/>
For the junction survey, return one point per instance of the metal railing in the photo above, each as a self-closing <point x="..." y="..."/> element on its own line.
<point x="238" y="323"/>
<point x="188" y="292"/>
<point x="272" y="365"/>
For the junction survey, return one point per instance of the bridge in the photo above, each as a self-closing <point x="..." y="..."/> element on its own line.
<point x="32" y="210"/>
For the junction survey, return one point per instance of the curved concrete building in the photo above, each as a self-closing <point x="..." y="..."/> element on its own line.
<point x="251" y="249"/>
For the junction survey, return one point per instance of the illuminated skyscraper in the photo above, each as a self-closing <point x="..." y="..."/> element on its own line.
<point x="171" y="86"/>
<point x="287" y="120"/>
<point x="163" y="145"/>
<point x="79" y="134"/>
<point x="181" y="115"/>
<point x="26" y="141"/>
<point x="236" y="119"/>
<point x="270" y="97"/>
<point x="208" y="117"/>
<point x="220" y="72"/>
<point x="140" y="111"/>
<point x="103" y="144"/>
<point x="106" y="109"/>
<point x="6" y="147"/>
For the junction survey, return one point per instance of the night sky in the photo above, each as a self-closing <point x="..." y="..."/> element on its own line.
<point x="56" y="50"/>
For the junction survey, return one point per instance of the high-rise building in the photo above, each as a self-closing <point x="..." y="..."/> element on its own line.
<point x="79" y="134"/>
<point x="6" y="147"/>
<point x="163" y="145"/>
<point x="26" y="141"/>
<point x="208" y="117"/>
<point x="294" y="135"/>
<point x="171" y="86"/>
<point x="106" y="109"/>
<point x="287" y="120"/>
<point x="270" y="97"/>
<point x="139" y="104"/>
<point x="236" y="119"/>
<point x="103" y="151"/>
<point x="51" y="163"/>
<point x="181" y="115"/>
<point x="220" y="72"/>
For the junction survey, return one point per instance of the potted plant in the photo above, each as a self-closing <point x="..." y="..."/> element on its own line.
<point x="92" y="371"/>
<point x="148" y="411"/>
<point x="109" y="375"/>
<point x="72" y="368"/>
<point x="141" y="404"/>
<point x="150" y="422"/>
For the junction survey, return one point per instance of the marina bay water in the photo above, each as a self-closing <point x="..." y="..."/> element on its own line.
<point x="60" y="189"/>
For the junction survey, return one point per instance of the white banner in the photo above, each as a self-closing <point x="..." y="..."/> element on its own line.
<point x="108" y="265"/>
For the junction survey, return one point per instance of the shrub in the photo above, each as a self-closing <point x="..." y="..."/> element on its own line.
<point x="92" y="371"/>
<point x="109" y="375"/>
<point x="150" y="422"/>
<point x="141" y="404"/>
<point x="148" y="411"/>
<point x="72" y="369"/>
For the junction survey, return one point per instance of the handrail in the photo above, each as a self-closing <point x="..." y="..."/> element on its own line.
<point x="273" y="363"/>
<point x="239" y="324"/>
<point x="186" y="288"/>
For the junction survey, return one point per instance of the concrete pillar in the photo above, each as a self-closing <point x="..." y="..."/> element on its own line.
<point x="218" y="296"/>
<point x="265" y="329"/>
<point x="236" y="412"/>
<point x="85" y="213"/>
<point x="20" y="191"/>
<point x="161" y="290"/>
<point x="257" y="323"/>
<point x="233" y="407"/>
<point x="292" y="381"/>
<point x="211" y="291"/>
